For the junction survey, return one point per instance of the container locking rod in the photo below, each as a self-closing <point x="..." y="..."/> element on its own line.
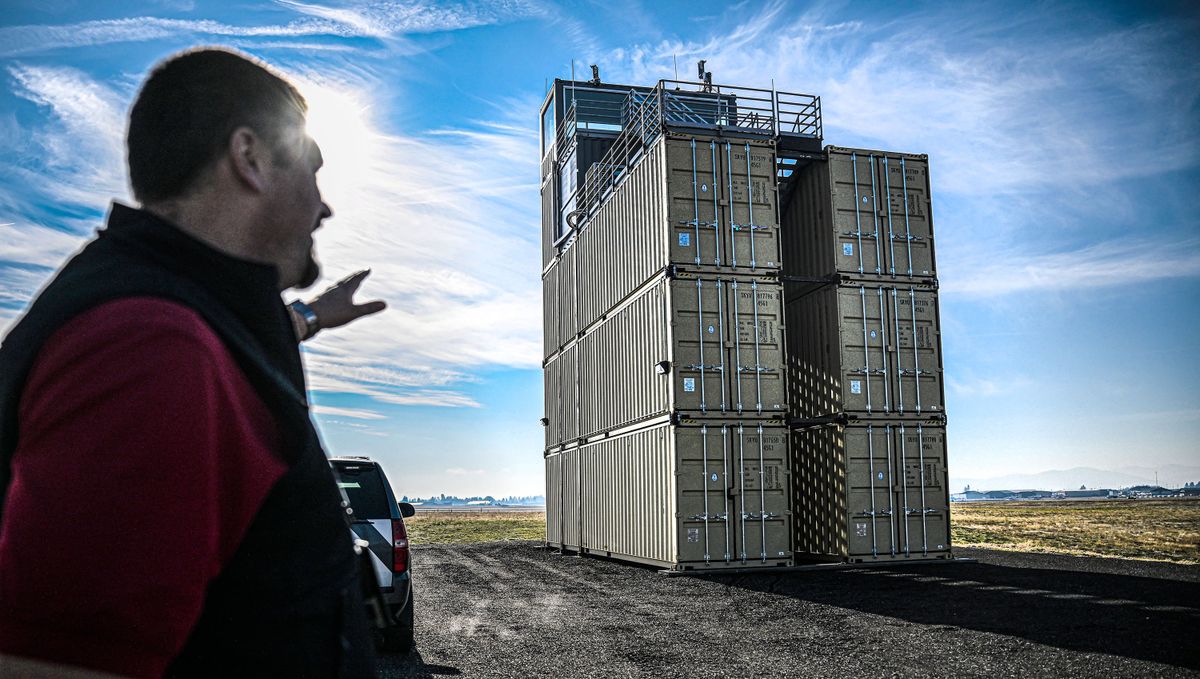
<point x="857" y="203"/>
<point x="871" y="163"/>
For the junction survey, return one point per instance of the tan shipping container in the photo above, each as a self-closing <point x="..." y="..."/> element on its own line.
<point x="688" y="202"/>
<point x="857" y="213"/>
<point x="681" y="497"/>
<point x="561" y="380"/>
<point x="874" y="491"/>
<point x="696" y="345"/>
<point x="864" y="348"/>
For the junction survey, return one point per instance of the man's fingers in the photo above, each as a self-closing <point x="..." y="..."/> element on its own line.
<point x="368" y="308"/>
<point x="353" y="280"/>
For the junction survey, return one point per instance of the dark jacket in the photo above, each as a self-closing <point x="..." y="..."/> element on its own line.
<point x="288" y="602"/>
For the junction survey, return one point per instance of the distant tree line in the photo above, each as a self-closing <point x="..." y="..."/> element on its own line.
<point x="444" y="499"/>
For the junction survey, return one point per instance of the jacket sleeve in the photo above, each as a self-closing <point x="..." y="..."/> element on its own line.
<point x="144" y="454"/>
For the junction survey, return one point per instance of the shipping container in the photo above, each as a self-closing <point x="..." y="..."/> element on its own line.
<point x="690" y="203"/>
<point x="864" y="348"/>
<point x="871" y="491"/>
<point x="688" y="344"/>
<point x="858" y="212"/>
<point x="681" y="497"/>
<point x="561" y="380"/>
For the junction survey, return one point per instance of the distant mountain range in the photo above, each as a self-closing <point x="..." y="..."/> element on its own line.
<point x="1171" y="476"/>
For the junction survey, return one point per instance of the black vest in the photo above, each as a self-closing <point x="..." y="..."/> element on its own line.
<point x="288" y="603"/>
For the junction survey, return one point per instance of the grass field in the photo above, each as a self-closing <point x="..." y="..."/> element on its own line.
<point x="1160" y="530"/>
<point x="449" y="527"/>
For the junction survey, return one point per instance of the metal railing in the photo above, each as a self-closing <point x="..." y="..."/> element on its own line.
<point x="645" y="115"/>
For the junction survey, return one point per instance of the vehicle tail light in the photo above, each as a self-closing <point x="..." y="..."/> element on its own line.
<point x="399" y="546"/>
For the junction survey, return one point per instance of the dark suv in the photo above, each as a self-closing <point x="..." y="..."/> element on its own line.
<point x="379" y="520"/>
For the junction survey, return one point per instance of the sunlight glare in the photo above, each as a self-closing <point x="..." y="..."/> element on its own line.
<point x="337" y="121"/>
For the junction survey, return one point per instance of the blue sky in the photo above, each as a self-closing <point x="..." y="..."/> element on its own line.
<point x="1064" y="143"/>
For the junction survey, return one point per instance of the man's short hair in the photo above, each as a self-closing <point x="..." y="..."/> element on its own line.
<point x="188" y="108"/>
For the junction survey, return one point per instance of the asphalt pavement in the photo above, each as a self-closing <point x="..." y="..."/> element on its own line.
<point x="514" y="609"/>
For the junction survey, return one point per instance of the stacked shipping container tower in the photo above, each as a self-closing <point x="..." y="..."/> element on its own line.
<point x="683" y="428"/>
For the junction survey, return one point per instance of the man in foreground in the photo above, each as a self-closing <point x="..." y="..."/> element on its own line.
<point x="167" y="505"/>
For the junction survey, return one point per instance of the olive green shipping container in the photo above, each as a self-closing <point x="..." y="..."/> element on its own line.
<point x="873" y="491"/>
<point x="709" y="496"/>
<point x="859" y="212"/>
<point x="865" y="348"/>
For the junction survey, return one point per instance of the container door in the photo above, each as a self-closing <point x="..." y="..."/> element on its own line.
<point x="747" y="181"/>
<point x="906" y="215"/>
<point x="924" y="522"/>
<point x="755" y="345"/>
<point x="694" y="204"/>
<point x="896" y="495"/>
<point x="856" y="195"/>
<point x="733" y="505"/>
<point x="916" y="350"/>
<point x="700" y="327"/>
<point x="864" y="343"/>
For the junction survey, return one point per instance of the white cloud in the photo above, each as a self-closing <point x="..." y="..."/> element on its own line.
<point x="81" y="151"/>
<point x="1105" y="264"/>
<point x="1009" y="101"/>
<point x="448" y="224"/>
<point x="355" y="413"/>
<point x="18" y="40"/>
<point x="387" y="19"/>
<point x="377" y="20"/>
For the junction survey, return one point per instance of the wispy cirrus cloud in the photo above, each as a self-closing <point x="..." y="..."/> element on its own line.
<point x="1101" y="265"/>
<point x="1031" y="125"/>
<point x="21" y="40"/>
<point x="387" y="19"/>
<point x="376" y="20"/>
<point x="355" y="413"/>
<point x="1004" y="100"/>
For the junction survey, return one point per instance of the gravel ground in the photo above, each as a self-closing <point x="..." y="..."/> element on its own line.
<point x="514" y="609"/>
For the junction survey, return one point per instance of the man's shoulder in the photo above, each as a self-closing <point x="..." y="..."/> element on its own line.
<point x="142" y="316"/>
<point x="135" y="328"/>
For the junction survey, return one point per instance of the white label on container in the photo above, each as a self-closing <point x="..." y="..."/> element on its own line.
<point x="685" y="239"/>
<point x="873" y="334"/>
<point x="848" y="249"/>
<point x="714" y="477"/>
<point x="860" y="529"/>
<point x="704" y="188"/>
<point x="711" y="330"/>
<point x="693" y="535"/>
<point x="880" y="476"/>
<point x="689" y="384"/>
<point x="855" y="386"/>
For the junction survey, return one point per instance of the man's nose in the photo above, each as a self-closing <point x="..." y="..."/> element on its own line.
<point x="326" y="211"/>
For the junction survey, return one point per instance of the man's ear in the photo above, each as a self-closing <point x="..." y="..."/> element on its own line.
<point x="250" y="158"/>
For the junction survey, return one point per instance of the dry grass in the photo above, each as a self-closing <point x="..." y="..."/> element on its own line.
<point x="1160" y="530"/>
<point x="429" y="527"/>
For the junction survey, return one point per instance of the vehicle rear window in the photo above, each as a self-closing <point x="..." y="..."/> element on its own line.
<point x="364" y="488"/>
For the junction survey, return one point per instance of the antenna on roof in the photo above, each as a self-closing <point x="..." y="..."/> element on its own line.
<point x="595" y="75"/>
<point x="676" y="62"/>
<point x="705" y="76"/>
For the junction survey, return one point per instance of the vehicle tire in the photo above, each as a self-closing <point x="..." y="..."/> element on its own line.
<point x="398" y="638"/>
